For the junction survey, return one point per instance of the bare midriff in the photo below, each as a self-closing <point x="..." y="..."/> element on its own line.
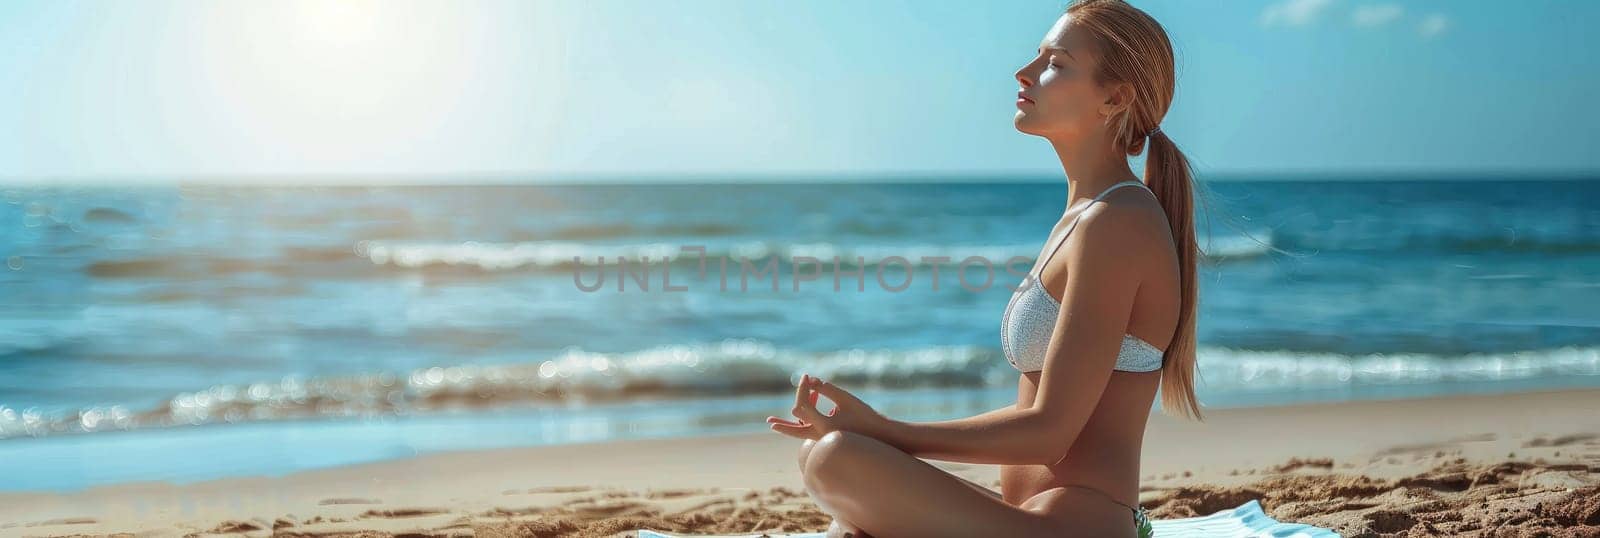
<point x="1105" y="455"/>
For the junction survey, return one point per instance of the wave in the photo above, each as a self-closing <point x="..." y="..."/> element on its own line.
<point x="565" y="255"/>
<point x="1413" y="241"/>
<point x="729" y="367"/>
<point x="1501" y="241"/>
<point x="1234" y="247"/>
<point x="478" y="257"/>
<point x="1234" y="369"/>
<point x="624" y="230"/>
<point x="556" y="256"/>
<point x="744" y="366"/>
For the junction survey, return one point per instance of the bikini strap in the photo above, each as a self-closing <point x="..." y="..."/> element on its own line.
<point x="1117" y="185"/>
<point x="1074" y="223"/>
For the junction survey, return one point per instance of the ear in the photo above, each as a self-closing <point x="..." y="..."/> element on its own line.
<point x="1118" y="99"/>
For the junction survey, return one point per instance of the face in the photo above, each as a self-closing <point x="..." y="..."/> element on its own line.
<point x="1059" y="97"/>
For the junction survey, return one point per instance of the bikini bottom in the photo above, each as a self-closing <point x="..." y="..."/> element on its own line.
<point x="1141" y="519"/>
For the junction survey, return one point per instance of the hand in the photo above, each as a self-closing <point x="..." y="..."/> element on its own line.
<point x="849" y="413"/>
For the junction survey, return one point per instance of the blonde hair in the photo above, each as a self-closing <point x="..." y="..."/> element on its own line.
<point x="1134" y="49"/>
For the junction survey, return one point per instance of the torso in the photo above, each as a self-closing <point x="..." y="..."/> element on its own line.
<point x="1105" y="455"/>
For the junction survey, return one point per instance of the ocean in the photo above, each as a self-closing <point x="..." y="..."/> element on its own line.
<point x="193" y="332"/>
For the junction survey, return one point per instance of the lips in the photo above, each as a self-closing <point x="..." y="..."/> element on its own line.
<point x="1023" y="97"/>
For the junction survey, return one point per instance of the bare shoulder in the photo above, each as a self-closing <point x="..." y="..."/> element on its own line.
<point x="1129" y="226"/>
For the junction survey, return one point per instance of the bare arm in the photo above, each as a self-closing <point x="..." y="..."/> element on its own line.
<point x="1097" y="306"/>
<point x="1006" y="436"/>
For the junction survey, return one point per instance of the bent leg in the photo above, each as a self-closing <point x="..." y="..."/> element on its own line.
<point x="887" y="492"/>
<point x="805" y="451"/>
<point x="839" y="528"/>
<point x="979" y="487"/>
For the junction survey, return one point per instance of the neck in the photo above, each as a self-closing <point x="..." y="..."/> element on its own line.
<point x="1091" y="167"/>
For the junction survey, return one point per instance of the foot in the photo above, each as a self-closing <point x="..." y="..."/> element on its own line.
<point x="840" y="529"/>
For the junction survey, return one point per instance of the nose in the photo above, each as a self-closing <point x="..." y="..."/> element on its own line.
<point x="1022" y="77"/>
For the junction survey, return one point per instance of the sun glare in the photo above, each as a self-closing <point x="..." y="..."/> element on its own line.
<point x="338" y="23"/>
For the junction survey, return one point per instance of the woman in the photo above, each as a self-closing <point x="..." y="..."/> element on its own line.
<point x="1112" y="319"/>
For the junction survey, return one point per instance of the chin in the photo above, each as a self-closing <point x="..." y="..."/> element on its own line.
<point x="1021" y="123"/>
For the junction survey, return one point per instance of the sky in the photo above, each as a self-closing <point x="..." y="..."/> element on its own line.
<point x="529" y="89"/>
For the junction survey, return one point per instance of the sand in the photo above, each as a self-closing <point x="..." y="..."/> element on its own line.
<point x="1484" y="465"/>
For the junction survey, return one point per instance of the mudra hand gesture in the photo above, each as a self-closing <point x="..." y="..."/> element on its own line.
<point x="849" y="413"/>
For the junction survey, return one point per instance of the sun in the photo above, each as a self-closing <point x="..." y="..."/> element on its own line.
<point x="339" y="23"/>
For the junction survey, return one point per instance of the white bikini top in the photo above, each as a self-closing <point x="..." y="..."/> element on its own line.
<point x="1030" y="318"/>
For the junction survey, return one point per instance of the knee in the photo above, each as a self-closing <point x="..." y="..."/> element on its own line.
<point x="805" y="452"/>
<point x="830" y="456"/>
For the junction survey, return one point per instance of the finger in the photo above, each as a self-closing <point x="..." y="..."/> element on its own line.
<point x="833" y="392"/>
<point x="792" y="431"/>
<point x="801" y="391"/>
<point x="808" y="414"/>
<point x="803" y="408"/>
<point x="795" y="423"/>
<point x="815" y="395"/>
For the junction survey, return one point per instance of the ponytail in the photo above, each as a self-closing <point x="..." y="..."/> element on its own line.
<point x="1167" y="173"/>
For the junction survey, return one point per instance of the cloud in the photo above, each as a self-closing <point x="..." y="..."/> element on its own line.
<point x="1292" y="12"/>
<point x="1305" y="12"/>
<point x="1376" y="15"/>
<point x="1433" y="25"/>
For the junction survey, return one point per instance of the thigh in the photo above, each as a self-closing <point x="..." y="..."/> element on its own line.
<point x="1083" y="513"/>
<point x="805" y="452"/>
<point x="886" y="492"/>
<point x="981" y="488"/>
